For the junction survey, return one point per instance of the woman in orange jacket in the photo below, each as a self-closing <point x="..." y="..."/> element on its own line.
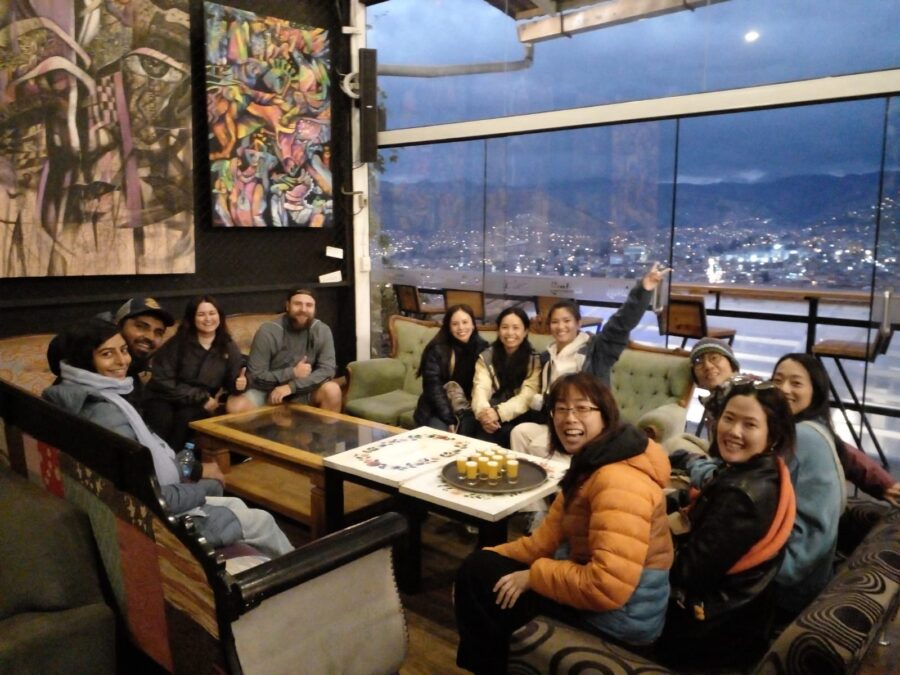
<point x="600" y="558"/>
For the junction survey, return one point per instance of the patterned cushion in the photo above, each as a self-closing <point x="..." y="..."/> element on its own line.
<point x="23" y="361"/>
<point x="158" y="586"/>
<point x="830" y="637"/>
<point x="546" y="646"/>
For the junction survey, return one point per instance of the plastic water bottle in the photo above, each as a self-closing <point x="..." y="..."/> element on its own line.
<point x="186" y="461"/>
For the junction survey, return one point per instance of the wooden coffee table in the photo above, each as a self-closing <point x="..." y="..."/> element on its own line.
<point x="285" y="446"/>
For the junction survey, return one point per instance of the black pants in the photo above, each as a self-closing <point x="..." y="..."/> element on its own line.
<point x="484" y="628"/>
<point x="501" y="436"/>
<point x="170" y="420"/>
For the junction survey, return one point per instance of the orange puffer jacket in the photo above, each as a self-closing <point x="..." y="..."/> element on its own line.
<point x="616" y="528"/>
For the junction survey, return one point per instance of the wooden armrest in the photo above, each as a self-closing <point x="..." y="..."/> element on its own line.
<point x="316" y="558"/>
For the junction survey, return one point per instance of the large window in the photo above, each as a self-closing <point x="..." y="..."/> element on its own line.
<point x="708" y="48"/>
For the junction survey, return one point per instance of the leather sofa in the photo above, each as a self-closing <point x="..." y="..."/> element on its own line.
<point x="652" y="386"/>
<point x="53" y="616"/>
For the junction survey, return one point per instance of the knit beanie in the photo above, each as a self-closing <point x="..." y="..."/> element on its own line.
<point x="712" y="345"/>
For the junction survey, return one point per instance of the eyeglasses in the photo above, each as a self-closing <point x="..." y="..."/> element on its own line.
<point x="578" y="410"/>
<point x="708" y="357"/>
<point x="745" y="382"/>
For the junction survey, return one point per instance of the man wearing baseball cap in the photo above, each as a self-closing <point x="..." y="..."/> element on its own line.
<point x="142" y="322"/>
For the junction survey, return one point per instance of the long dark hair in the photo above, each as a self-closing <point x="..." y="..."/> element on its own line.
<point x="782" y="435"/>
<point x="511" y="369"/>
<point x="187" y="329"/>
<point x="819" y="408"/>
<point x="568" y="305"/>
<point x="445" y="337"/>
<point x="78" y="342"/>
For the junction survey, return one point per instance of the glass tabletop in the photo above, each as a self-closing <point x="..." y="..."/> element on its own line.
<point x="307" y="430"/>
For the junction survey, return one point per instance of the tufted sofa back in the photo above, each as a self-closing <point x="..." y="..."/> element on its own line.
<point x="409" y="337"/>
<point x="648" y="377"/>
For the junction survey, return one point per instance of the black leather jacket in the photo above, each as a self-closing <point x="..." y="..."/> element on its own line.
<point x="436" y="373"/>
<point x="733" y="511"/>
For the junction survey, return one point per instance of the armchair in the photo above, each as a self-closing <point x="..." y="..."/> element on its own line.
<point x="653" y="387"/>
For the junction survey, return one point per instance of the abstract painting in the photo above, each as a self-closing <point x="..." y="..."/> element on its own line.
<point x="269" y="110"/>
<point x="95" y="138"/>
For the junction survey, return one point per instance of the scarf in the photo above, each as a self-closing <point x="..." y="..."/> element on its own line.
<point x="112" y="390"/>
<point x="619" y="444"/>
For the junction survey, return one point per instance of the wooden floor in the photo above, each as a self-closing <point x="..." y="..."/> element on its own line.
<point x="432" y="626"/>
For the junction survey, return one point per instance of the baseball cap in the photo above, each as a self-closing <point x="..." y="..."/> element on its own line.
<point x="143" y="305"/>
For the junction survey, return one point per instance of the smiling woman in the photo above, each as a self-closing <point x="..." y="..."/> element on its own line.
<point x="601" y="556"/>
<point x="740" y="521"/>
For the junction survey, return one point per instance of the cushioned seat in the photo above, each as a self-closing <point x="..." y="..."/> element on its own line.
<point x="651" y="385"/>
<point x="386" y="408"/>
<point x="53" y="618"/>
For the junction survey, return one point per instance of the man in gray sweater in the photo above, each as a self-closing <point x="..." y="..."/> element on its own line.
<point x="292" y="359"/>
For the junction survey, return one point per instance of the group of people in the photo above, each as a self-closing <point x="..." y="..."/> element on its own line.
<point x="115" y="370"/>
<point x="698" y="576"/>
<point x="758" y="524"/>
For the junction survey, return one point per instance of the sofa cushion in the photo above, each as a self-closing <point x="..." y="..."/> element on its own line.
<point x="23" y="361"/>
<point x="78" y="640"/>
<point x="546" y="645"/>
<point x="47" y="553"/>
<point x="643" y="379"/>
<point x="384" y="408"/>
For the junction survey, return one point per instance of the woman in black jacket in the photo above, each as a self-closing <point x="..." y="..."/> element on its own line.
<point x="450" y="358"/>
<point x="722" y="593"/>
<point x="192" y="372"/>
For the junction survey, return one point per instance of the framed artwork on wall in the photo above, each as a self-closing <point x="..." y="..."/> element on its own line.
<point x="268" y="98"/>
<point x="95" y="139"/>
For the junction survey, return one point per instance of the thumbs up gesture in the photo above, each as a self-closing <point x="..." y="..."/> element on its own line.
<point x="240" y="382"/>
<point x="302" y="369"/>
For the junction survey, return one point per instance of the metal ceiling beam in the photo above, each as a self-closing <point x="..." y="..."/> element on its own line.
<point x="609" y="13"/>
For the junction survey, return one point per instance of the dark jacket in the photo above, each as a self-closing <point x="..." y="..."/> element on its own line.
<point x="731" y="514"/>
<point x="186" y="373"/>
<point x="435" y="369"/>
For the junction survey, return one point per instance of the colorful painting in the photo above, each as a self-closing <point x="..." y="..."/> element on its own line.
<point x="269" y="111"/>
<point x="95" y="138"/>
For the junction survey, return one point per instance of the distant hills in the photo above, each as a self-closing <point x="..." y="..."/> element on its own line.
<point x="428" y="208"/>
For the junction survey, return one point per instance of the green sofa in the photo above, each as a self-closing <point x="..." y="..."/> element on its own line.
<point x="652" y="385"/>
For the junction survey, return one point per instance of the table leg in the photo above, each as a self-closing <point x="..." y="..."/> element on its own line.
<point x="333" y="500"/>
<point x="211" y="451"/>
<point x="317" y="524"/>
<point x="409" y="550"/>
<point x="492" y="534"/>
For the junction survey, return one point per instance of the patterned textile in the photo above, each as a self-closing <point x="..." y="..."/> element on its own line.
<point x="158" y="585"/>
<point x="830" y="637"/>
<point x="23" y="360"/>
